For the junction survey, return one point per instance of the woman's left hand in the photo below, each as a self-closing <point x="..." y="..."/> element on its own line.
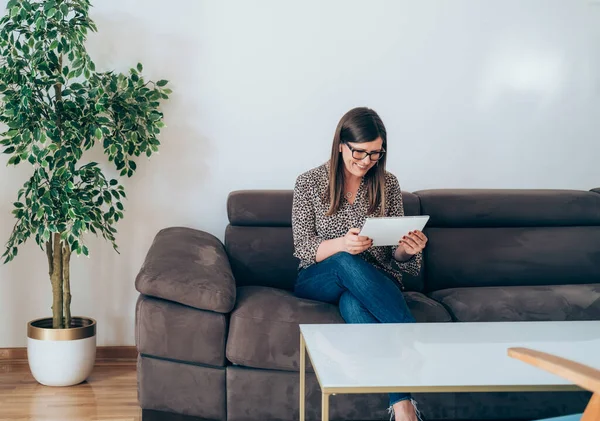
<point x="410" y="245"/>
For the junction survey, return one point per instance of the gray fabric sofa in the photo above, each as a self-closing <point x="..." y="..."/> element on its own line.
<point x="217" y="326"/>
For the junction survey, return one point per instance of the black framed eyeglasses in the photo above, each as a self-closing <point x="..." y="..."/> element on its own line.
<point x="361" y="154"/>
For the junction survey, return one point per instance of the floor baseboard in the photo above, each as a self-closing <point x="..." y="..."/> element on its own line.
<point x="103" y="353"/>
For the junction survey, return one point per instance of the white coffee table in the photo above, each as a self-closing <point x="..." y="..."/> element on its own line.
<point x="439" y="357"/>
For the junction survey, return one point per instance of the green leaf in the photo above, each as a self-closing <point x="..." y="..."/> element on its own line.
<point x="49" y="4"/>
<point x="162" y="82"/>
<point x="119" y="205"/>
<point x="10" y="149"/>
<point x="113" y="182"/>
<point x="51" y="14"/>
<point x="140" y="67"/>
<point x="85" y="250"/>
<point x="98" y="133"/>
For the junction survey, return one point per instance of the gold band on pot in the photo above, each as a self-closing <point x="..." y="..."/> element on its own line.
<point x="41" y="329"/>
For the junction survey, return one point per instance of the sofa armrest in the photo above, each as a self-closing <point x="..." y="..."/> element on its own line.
<point x="190" y="267"/>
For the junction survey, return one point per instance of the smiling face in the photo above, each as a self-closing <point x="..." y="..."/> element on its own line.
<point x="357" y="161"/>
<point x="360" y="139"/>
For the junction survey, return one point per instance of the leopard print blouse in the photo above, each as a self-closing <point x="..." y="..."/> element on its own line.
<point x="311" y="226"/>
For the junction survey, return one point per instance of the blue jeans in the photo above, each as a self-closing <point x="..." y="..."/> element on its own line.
<point x="363" y="293"/>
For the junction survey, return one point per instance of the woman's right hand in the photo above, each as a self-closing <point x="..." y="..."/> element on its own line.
<point x="353" y="243"/>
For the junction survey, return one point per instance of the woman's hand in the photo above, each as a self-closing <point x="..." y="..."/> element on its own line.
<point x="410" y="245"/>
<point x="353" y="243"/>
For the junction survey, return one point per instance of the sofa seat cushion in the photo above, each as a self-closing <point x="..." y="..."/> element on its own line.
<point x="522" y="303"/>
<point x="264" y="332"/>
<point x="263" y="329"/>
<point x="426" y="310"/>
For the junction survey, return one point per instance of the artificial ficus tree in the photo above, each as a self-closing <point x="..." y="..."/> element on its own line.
<point x="54" y="106"/>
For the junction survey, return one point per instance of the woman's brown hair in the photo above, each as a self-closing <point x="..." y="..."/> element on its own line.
<point x="359" y="125"/>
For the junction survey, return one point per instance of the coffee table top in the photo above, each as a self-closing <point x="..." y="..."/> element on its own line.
<point x="437" y="357"/>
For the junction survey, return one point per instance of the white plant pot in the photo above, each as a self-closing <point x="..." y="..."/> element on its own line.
<point x="61" y="357"/>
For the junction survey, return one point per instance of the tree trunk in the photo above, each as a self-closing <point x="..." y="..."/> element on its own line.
<point x="59" y="296"/>
<point x="57" y="284"/>
<point x="66" y="285"/>
<point x="50" y="257"/>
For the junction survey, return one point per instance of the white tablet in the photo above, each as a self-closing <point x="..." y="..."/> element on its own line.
<point x="387" y="231"/>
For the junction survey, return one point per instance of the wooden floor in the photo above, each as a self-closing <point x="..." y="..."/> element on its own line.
<point x="110" y="393"/>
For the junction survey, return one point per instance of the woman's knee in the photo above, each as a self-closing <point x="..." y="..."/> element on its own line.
<point x="351" y="269"/>
<point x="348" y="262"/>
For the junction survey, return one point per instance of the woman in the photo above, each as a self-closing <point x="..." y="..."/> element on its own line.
<point x="339" y="266"/>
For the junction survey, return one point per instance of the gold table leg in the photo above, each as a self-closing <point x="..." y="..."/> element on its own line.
<point x="325" y="407"/>
<point x="324" y="396"/>
<point x="302" y="377"/>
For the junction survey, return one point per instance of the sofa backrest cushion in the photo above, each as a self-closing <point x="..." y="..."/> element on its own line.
<point x="511" y="237"/>
<point x="273" y="208"/>
<point x="260" y="208"/>
<point x="510" y="208"/>
<point x="261" y="256"/>
<point x="259" y="241"/>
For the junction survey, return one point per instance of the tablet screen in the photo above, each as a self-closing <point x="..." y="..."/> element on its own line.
<point x="388" y="231"/>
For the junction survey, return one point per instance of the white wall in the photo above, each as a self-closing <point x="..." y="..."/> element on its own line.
<point x="500" y="93"/>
